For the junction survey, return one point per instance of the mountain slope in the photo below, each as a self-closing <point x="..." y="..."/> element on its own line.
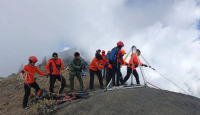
<point x="140" y="101"/>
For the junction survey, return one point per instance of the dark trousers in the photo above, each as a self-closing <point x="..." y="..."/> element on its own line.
<point x="99" y="75"/>
<point x="53" y="80"/>
<point x="108" y="78"/>
<point x="107" y="72"/>
<point x="116" y="68"/>
<point x="129" y="71"/>
<point x="28" y="91"/>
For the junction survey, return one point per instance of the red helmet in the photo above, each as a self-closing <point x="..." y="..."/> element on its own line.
<point x="103" y="51"/>
<point x="120" y="43"/>
<point x="32" y="59"/>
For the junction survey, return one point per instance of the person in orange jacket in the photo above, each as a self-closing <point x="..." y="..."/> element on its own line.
<point x="108" y="78"/>
<point x="135" y="65"/>
<point x="53" y="68"/>
<point x="103" y="63"/>
<point x="95" y="67"/>
<point x="28" y="71"/>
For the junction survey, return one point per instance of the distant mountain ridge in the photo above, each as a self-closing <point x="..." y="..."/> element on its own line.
<point x="68" y="55"/>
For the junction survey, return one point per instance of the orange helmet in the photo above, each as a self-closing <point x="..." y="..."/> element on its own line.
<point x="32" y="59"/>
<point x="123" y="51"/>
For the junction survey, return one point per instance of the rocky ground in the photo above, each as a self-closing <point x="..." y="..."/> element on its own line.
<point x="138" y="101"/>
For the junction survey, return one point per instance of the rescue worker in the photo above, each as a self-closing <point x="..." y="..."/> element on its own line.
<point x="106" y="65"/>
<point x="75" y="70"/>
<point x="95" y="67"/>
<point x="28" y="71"/>
<point x="53" y="68"/>
<point x="103" y="63"/>
<point x="116" y="65"/>
<point x="108" y="78"/>
<point x="98" y="51"/>
<point x="135" y="65"/>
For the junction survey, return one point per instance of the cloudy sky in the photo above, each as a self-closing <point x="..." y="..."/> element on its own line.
<point x="166" y="31"/>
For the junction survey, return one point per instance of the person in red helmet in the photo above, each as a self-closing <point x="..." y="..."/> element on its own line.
<point x="108" y="78"/>
<point x="135" y="65"/>
<point x="28" y="71"/>
<point x="116" y="60"/>
<point x="103" y="63"/>
<point x="53" y="68"/>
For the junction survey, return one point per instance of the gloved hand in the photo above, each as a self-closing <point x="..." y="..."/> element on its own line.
<point x="83" y="67"/>
<point x="145" y="65"/>
<point x="22" y="71"/>
<point x="136" y="65"/>
<point x="46" y="75"/>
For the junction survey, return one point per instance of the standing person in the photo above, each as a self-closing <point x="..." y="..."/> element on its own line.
<point x="116" y="60"/>
<point x="108" y="78"/>
<point x="95" y="67"/>
<point x="98" y="51"/>
<point x="106" y="65"/>
<point x="103" y="63"/>
<point x="75" y="70"/>
<point x="135" y="65"/>
<point x="53" y="68"/>
<point x="29" y="71"/>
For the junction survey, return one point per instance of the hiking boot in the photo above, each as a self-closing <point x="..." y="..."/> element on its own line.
<point x="117" y="87"/>
<point x="102" y="87"/>
<point x="91" y="90"/>
<point x="25" y="108"/>
<point x="113" y="87"/>
<point x="81" y="89"/>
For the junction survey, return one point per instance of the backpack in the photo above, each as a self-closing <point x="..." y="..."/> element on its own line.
<point x="113" y="55"/>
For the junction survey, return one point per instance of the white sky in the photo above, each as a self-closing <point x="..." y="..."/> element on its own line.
<point x="164" y="31"/>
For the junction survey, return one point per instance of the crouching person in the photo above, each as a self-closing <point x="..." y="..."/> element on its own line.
<point x="74" y="70"/>
<point x="53" y="68"/>
<point x="29" y="71"/>
<point x="95" y="67"/>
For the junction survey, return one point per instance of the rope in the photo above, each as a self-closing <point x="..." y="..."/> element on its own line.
<point x="172" y="82"/>
<point x="166" y="78"/>
<point x="154" y="85"/>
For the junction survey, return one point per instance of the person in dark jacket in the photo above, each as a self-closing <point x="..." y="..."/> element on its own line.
<point x="116" y="65"/>
<point x="75" y="70"/>
<point x="106" y="65"/>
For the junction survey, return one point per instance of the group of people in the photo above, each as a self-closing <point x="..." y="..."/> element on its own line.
<point x="54" y="67"/>
<point x="110" y="64"/>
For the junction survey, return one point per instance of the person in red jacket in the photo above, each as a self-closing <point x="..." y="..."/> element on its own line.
<point x="53" y="68"/>
<point x="135" y="65"/>
<point x="95" y="67"/>
<point x="103" y="63"/>
<point x="116" y="65"/>
<point x="28" y="71"/>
